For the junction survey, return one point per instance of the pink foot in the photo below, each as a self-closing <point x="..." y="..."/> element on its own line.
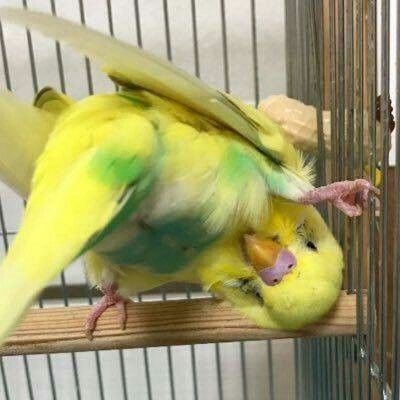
<point x="349" y="196"/>
<point x="110" y="298"/>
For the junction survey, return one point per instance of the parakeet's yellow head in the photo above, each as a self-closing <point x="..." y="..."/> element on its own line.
<point x="304" y="294"/>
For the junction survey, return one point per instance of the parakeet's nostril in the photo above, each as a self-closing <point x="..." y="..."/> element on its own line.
<point x="290" y="266"/>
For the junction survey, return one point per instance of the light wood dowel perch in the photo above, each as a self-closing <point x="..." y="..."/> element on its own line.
<point x="159" y="323"/>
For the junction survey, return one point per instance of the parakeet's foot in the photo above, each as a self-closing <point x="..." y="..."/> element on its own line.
<point x="110" y="298"/>
<point x="349" y="196"/>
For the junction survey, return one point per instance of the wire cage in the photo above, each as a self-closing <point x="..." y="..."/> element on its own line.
<point x="335" y="55"/>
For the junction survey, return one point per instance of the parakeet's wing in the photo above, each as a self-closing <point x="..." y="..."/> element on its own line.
<point x="133" y="67"/>
<point x="22" y="139"/>
<point x="79" y="194"/>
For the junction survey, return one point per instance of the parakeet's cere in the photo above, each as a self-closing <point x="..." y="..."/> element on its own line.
<point x="166" y="179"/>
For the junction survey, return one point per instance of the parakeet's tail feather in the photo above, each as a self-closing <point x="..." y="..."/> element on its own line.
<point x="24" y="131"/>
<point x="52" y="101"/>
<point x="17" y="293"/>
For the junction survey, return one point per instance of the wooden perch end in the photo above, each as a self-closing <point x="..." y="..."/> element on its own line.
<point x="160" y="323"/>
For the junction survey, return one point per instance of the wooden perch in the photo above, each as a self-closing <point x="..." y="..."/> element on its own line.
<point x="159" y="323"/>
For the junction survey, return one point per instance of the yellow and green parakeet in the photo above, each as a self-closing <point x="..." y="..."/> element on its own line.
<point x="300" y="298"/>
<point x="156" y="181"/>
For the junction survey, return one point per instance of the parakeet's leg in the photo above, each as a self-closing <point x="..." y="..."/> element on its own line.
<point x="110" y="298"/>
<point x="349" y="196"/>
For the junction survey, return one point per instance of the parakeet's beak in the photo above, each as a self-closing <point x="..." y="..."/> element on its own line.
<point x="269" y="259"/>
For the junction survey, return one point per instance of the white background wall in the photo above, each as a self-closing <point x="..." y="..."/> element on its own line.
<point x="270" y="31"/>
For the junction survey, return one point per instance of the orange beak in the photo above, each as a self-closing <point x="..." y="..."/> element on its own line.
<point x="269" y="259"/>
<point x="261" y="253"/>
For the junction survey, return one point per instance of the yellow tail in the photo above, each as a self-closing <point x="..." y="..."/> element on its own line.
<point x="24" y="131"/>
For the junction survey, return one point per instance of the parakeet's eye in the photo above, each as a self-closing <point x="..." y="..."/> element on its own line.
<point x="276" y="239"/>
<point x="248" y="286"/>
<point x="311" y="245"/>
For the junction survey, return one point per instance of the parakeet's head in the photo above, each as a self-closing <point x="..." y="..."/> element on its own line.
<point x="304" y="294"/>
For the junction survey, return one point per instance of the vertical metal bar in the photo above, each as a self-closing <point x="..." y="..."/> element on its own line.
<point x="5" y="58"/>
<point x="329" y="366"/>
<point x="4" y="379"/>
<point x="96" y="353"/>
<point x="332" y="349"/>
<point x="342" y="64"/>
<point x="350" y="134"/>
<point x="50" y="366"/>
<point x="224" y="47"/>
<point x="315" y="17"/>
<point x="31" y="55"/>
<point x="295" y="82"/>
<point x="324" y="367"/>
<point x="120" y="352"/>
<point x="227" y="89"/>
<point x="123" y="374"/>
<point x="371" y="90"/>
<point x="288" y="46"/>
<point x="195" y="39"/>
<point x="340" y="88"/>
<point x="60" y="63"/>
<point x="343" y="382"/>
<point x="297" y="369"/>
<point x="360" y="150"/>
<point x="300" y="48"/>
<point x="350" y="356"/>
<point x="48" y="356"/>
<point x="147" y="366"/>
<point x="333" y="105"/>
<point x="383" y="270"/>
<point x="110" y="18"/>
<point x="193" y="360"/>
<point x="307" y="67"/>
<point x="89" y="77"/>
<point x="255" y="51"/>
<point x="111" y="30"/>
<point x="188" y="295"/>
<point x="340" y="106"/>
<point x="170" y="363"/>
<point x="35" y="88"/>
<point x="73" y="355"/>
<point x="270" y="370"/>
<point x="5" y="243"/>
<point x="138" y="24"/>
<point x="395" y="373"/>
<point x="219" y="372"/>
<point x="243" y="370"/>
<point x="317" y="369"/>
<point x="167" y="29"/>
<point x="310" y="376"/>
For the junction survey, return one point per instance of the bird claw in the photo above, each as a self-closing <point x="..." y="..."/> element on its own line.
<point x="349" y="196"/>
<point x="110" y="298"/>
